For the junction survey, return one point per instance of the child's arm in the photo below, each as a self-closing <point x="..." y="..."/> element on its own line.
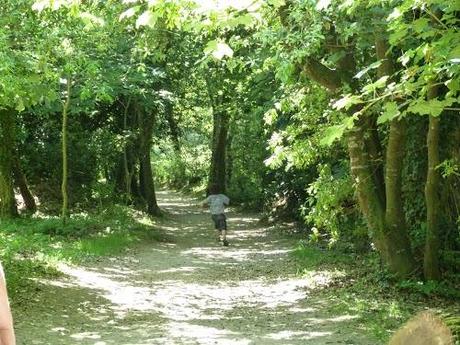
<point x="6" y="321"/>
<point x="204" y="203"/>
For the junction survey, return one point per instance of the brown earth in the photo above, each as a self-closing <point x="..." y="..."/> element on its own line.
<point x="187" y="289"/>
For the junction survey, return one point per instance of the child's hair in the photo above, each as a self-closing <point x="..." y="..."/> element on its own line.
<point x="214" y="189"/>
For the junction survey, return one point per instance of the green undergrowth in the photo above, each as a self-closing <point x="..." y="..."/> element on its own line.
<point x="364" y="290"/>
<point x="33" y="247"/>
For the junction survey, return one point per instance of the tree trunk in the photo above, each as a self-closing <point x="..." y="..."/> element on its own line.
<point x="399" y="246"/>
<point x="390" y="238"/>
<point x="65" y="196"/>
<point x="229" y="160"/>
<point x="431" y="269"/>
<point x="450" y="192"/>
<point x="146" y="122"/>
<point x="173" y="126"/>
<point x="432" y="187"/>
<point x="375" y="154"/>
<point x="392" y="244"/>
<point x="23" y="186"/>
<point x="368" y="197"/>
<point x="217" y="176"/>
<point x="388" y="234"/>
<point x="8" y="206"/>
<point x="126" y="172"/>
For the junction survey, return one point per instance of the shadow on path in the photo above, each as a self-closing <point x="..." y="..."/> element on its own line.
<point x="189" y="290"/>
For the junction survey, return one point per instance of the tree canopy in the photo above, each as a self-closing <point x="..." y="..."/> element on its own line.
<point x="340" y="114"/>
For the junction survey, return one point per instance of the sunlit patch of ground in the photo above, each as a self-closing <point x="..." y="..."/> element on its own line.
<point x="189" y="290"/>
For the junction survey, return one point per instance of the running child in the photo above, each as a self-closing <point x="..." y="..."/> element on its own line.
<point x="217" y="202"/>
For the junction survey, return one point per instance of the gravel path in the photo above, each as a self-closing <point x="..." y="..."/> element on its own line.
<point x="189" y="290"/>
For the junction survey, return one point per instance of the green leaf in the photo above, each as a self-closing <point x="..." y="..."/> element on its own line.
<point x="218" y="49"/>
<point x="376" y="85"/>
<point x="285" y="72"/>
<point x="391" y="111"/>
<point x="406" y="57"/>
<point x="398" y="36"/>
<point x="361" y="73"/>
<point x="20" y="105"/>
<point x="347" y="101"/>
<point x="90" y="20"/>
<point x="245" y="20"/>
<point x="277" y="3"/>
<point x="454" y="53"/>
<point x="433" y="107"/>
<point x="453" y="85"/>
<point x="211" y="46"/>
<point x="331" y="134"/>
<point x="420" y="24"/>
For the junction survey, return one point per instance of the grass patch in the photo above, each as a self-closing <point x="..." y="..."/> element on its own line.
<point x="366" y="290"/>
<point x="32" y="247"/>
<point x="311" y="257"/>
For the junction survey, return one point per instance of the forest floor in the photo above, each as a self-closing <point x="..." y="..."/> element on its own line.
<point x="187" y="289"/>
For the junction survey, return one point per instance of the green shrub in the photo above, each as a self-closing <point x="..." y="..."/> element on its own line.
<point x="32" y="247"/>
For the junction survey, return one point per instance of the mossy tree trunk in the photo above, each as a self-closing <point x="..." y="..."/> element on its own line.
<point x="367" y="190"/>
<point x="388" y="232"/>
<point x="21" y="182"/>
<point x="218" y="170"/>
<point x="376" y="154"/>
<point x="432" y="199"/>
<point x="8" y="206"/>
<point x="379" y="196"/>
<point x="230" y="160"/>
<point x="221" y="120"/>
<point x="126" y="170"/>
<point x="399" y="250"/>
<point x="399" y="246"/>
<point x="146" y="122"/>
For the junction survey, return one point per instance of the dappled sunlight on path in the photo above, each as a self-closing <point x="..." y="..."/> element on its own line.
<point x="189" y="290"/>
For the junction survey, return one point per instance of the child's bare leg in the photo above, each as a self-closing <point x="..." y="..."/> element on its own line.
<point x="224" y="238"/>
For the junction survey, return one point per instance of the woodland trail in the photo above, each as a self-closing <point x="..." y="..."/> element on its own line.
<point x="187" y="289"/>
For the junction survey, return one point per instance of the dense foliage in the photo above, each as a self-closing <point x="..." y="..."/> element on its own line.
<point x="340" y="114"/>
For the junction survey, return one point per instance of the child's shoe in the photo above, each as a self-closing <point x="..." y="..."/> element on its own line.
<point x="225" y="243"/>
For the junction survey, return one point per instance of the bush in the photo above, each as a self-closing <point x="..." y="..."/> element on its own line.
<point x="32" y="247"/>
<point x="331" y="209"/>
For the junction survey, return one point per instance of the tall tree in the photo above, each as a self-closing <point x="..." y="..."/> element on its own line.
<point x="146" y="120"/>
<point x="8" y="207"/>
<point x="65" y="158"/>
<point x="432" y="199"/>
<point x="221" y="120"/>
<point x="21" y="182"/>
<point x="382" y="211"/>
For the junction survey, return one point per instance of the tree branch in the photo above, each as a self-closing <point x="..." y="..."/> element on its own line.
<point x="322" y="74"/>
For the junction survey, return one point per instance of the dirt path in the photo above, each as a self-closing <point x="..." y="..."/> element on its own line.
<point x="189" y="290"/>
